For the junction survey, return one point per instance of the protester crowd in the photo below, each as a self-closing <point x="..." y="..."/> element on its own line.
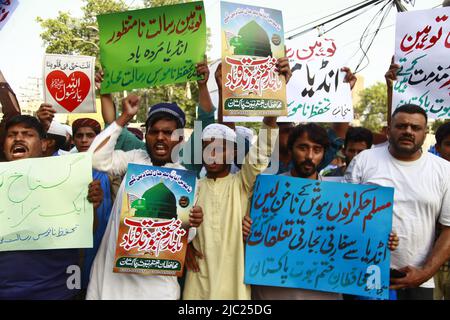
<point x="220" y="221"/>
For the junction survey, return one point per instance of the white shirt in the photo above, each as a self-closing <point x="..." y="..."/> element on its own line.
<point x="61" y="152"/>
<point x="421" y="198"/>
<point x="103" y="283"/>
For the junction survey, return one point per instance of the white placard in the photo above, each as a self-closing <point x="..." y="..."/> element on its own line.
<point x="422" y="49"/>
<point x="69" y="83"/>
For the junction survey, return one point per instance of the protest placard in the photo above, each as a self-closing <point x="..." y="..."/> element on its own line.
<point x="316" y="91"/>
<point x="318" y="235"/>
<point x="6" y="9"/>
<point x="150" y="47"/>
<point x="252" y="42"/>
<point x="43" y="203"/>
<point x="422" y="48"/>
<point x="155" y="210"/>
<point x="69" y="83"/>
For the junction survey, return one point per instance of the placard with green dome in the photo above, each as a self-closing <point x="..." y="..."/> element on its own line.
<point x="252" y="43"/>
<point x="155" y="210"/>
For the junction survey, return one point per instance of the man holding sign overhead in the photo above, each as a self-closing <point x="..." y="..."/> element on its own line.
<point x="216" y="256"/>
<point x="150" y="47"/>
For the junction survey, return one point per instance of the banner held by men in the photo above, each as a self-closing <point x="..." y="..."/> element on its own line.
<point x="316" y="235"/>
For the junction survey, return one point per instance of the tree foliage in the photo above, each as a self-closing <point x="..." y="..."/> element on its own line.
<point x="158" y="3"/>
<point x="372" y="107"/>
<point x="69" y="35"/>
<point x="66" y="34"/>
<point x="59" y="34"/>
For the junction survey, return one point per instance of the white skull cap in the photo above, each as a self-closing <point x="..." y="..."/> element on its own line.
<point x="218" y="131"/>
<point x="68" y="129"/>
<point x="244" y="132"/>
<point x="57" y="129"/>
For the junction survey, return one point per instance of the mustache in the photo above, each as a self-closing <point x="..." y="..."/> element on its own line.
<point x="406" y="137"/>
<point x="307" y="163"/>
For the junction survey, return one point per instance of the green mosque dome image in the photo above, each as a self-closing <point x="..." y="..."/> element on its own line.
<point x="252" y="40"/>
<point x="156" y="202"/>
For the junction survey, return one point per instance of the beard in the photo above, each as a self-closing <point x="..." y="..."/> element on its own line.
<point x="305" y="169"/>
<point x="406" y="150"/>
<point x="157" y="160"/>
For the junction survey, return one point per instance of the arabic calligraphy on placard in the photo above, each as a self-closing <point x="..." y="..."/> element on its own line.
<point x="252" y="12"/>
<point x="57" y="64"/>
<point x="264" y="105"/>
<point x="162" y="25"/>
<point x="425" y="39"/>
<point x="153" y="236"/>
<point x="321" y="48"/>
<point x="69" y="83"/>
<point x="316" y="235"/>
<point x="68" y="91"/>
<point x="151" y="78"/>
<point x="253" y="75"/>
<point x="153" y="46"/>
<point x="313" y="111"/>
<point x="410" y="75"/>
<point x="28" y="220"/>
<point x="165" y="48"/>
<point x="6" y="9"/>
<point x="171" y="176"/>
<point x="316" y="91"/>
<point x="138" y="264"/>
<point x="152" y="239"/>
<point x="252" y="43"/>
<point x="422" y="48"/>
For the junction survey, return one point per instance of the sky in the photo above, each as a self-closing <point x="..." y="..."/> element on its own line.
<point x="22" y="50"/>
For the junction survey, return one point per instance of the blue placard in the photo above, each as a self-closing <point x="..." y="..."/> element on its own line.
<point x="318" y="235"/>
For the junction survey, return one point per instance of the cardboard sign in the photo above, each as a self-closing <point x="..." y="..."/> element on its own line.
<point x="151" y="47"/>
<point x="319" y="235"/>
<point x="252" y="42"/>
<point x="69" y="83"/>
<point x="43" y="203"/>
<point x="422" y="48"/>
<point x="155" y="208"/>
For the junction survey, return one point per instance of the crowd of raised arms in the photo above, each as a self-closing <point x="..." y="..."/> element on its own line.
<point x="220" y="223"/>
